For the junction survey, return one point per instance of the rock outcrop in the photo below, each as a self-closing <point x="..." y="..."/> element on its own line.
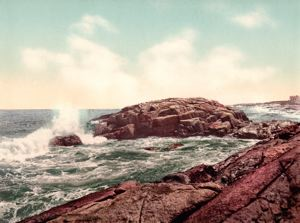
<point x="258" y="184"/>
<point x="179" y="117"/>
<point x="261" y="184"/>
<point x="69" y="140"/>
<point x="264" y="130"/>
<point x="183" y="117"/>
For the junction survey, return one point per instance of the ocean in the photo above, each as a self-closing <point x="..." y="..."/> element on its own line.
<point x="35" y="177"/>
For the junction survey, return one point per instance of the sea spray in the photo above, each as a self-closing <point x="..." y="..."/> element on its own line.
<point x="67" y="121"/>
<point x="32" y="145"/>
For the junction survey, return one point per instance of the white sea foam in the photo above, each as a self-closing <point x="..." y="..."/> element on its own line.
<point x="89" y="139"/>
<point x="272" y="112"/>
<point x="5" y="206"/>
<point x="36" y="143"/>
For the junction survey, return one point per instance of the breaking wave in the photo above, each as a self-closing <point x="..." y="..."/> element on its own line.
<point x="266" y="112"/>
<point x="36" y="143"/>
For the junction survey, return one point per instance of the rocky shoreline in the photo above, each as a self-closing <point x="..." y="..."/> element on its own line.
<point x="178" y="117"/>
<point x="258" y="184"/>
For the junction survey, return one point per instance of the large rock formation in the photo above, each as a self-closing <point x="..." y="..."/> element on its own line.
<point x="258" y="184"/>
<point x="183" y="117"/>
<point x="171" y="117"/>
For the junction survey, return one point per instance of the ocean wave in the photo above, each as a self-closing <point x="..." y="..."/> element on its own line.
<point x="268" y="112"/>
<point x="36" y="143"/>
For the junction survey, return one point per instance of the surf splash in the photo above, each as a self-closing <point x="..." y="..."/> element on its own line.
<point x="66" y="122"/>
<point x="266" y="112"/>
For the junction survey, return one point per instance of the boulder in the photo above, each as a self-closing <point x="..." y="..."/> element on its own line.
<point x="220" y="128"/>
<point x="175" y="146"/>
<point x="69" y="140"/>
<point x="264" y="130"/>
<point x="151" y="148"/>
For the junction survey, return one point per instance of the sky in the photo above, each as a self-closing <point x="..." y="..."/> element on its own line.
<point x="110" y="54"/>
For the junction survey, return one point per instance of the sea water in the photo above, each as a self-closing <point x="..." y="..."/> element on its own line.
<point x="35" y="177"/>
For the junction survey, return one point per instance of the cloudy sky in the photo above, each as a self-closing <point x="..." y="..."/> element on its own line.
<point x="108" y="54"/>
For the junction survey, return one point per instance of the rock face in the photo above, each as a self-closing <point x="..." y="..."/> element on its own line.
<point x="70" y="140"/>
<point x="171" y="117"/>
<point x="159" y="202"/>
<point x="264" y="130"/>
<point x="258" y="184"/>
<point x="262" y="184"/>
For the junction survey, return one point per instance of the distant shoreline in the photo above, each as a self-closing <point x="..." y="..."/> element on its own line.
<point x="268" y="103"/>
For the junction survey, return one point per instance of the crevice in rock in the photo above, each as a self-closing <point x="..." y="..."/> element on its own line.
<point x="186" y="213"/>
<point x="141" y="209"/>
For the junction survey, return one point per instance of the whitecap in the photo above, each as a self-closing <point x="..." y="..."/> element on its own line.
<point x="36" y="143"/>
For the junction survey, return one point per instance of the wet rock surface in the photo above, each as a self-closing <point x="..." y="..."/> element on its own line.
<point x="180" y="117"/>
<point x="258" y="184"/>
<point x="69" y="140"/>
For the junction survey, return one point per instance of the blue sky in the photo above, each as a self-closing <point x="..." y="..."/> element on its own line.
<point x="113" y="53"/>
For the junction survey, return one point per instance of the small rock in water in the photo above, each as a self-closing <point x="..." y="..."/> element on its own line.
<point x="175" y="145"/>
<point x="69" y="140"/>
<point x="151" y="148"/>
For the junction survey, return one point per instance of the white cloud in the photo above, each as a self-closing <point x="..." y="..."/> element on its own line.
<point x="254" y="19"/>
<point x="88" y="72"/>
<point x="89" y="23"/>
<point x="91" y="75"/>
<point x="39" y="59"/>
<point x="173" y="68"/>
